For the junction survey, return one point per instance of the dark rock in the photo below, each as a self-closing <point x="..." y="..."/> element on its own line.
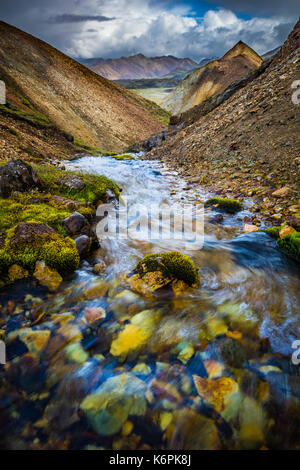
<point x="76" y="224"/>
<point x="27" y="231"/>
<point x="82" y="244"/>
<point x="216" y="219"/>
<point x="293" y="221"/>
<point x="73" y="182"/>
<point x="232" y="352"/>
<point x="17" y="175"/>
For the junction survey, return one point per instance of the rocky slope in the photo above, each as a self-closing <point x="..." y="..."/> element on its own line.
<point x="212" y="78"/>
<point x="249" y="145"/>
<point x="138" y="66"/>
<point x="61" y="93"/>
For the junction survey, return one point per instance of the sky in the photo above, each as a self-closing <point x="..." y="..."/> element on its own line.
<point x="115" y="28"/>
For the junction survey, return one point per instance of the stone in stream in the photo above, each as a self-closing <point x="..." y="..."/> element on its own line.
<point x="47" y="277"/>
<point x="16" y="175"/>
<point x="109" y="407"/>
<point x="169" y="270"/>
<point x="76" y="224"/>
<point x="83" y="243"/>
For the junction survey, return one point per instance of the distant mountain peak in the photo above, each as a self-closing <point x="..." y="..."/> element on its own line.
<point x="138" y="66"/>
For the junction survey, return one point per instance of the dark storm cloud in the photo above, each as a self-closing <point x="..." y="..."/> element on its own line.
<point x="287" y="8"/>
<point x="69" y="18"/>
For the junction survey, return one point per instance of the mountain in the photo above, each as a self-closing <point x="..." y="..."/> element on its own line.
<point x="271" y="53"/>
<point x="212" y="78"/>
<point x="205" y="60"/>
<point x="138" y="66"/>
<point x="249" y="144"/>
<point x="60" y="93"/>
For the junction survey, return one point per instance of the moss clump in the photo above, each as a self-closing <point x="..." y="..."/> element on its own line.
<point x="14" y="211"/>
<point x="172" y="264"/>
<point x="291" y="245"/>
<point x="225" y="204"/>
<point x="35" y="118"/>
<point x="58" y="253"/>
<point x="274" y="231"/>
<point x="94" y="190"/>
<point x="123" y="157"/>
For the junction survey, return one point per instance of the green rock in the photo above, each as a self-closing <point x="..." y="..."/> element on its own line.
<point x="109" y="406"/>
<point x="225" y="204"/>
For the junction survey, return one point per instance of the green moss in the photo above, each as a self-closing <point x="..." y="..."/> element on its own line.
<point x="14" y="211"/>
<point x="123" y="157"/>
<point x="36" y="118"/>
<point x="291" y="245"/>
<point x="172" y="264"/>
<point x="225" y="204"/>
<point x="13" y="132"/>
<point x="274" y="231"/>
<point x="58" y="253"/>
<point x="94" y="190"/>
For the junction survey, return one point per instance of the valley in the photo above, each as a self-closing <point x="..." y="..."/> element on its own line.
<point x="121" y="330"/>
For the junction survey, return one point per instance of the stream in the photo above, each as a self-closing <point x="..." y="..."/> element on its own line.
<point x="127" y="381"/>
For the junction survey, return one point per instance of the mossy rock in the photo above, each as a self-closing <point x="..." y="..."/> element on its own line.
<point x="291" y="245"/>
<point x="27" y="243"/>
<point x="274" y="231"/>
<point x="124" y="157"/>
<point x="225" y="204"/>
<point x="173" y="265"/>
<point x="95" y="187"/>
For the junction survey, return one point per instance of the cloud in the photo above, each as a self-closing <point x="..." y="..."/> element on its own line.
<point x="287" y="8"/>
<point x="69" y="18"/>
<point x="153" y="27"/>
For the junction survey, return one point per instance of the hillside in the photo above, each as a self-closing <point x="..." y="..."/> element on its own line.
<point x="138" y="66"/>
<point x="249" y="145"/>
<point x="212" y="78"/>
<point x="65" y="95"/>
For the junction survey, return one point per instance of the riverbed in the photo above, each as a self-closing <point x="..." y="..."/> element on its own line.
<point x="210" y="368"/>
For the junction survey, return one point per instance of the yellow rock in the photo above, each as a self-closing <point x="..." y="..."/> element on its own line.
<point x="282" y="192"/>
<point x="132" y="338"/>
<point x="127" y="428"/>
<point x="214" y="368"/>
<point x="216" y="326"/>
<point x="47" y="277"/>
<point x="62" y="317"/>
<point x="216" y="392"/>
<point x="249" y="228"/>
<point x="185" y="354"/>
<point x="286" y="230"/>
<point x="71" y="333"/>
<point x="165" y="419"/>
<point x="234" y="334"/>
<point x="17" y="272"/>
<point x="96" y="290"/>
<point x="35" y="340"/>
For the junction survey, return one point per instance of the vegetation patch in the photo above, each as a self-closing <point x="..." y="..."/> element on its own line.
<point x="35" y="118"/>
<point x="274" y="231"/>
<point x="124" y="157"/>
<point x="58" y="253"/>
<point x="95" y="188"/>
<point x="225" y="204"/>
<point x="291" y="245"/>
<point x="172" y="264"/>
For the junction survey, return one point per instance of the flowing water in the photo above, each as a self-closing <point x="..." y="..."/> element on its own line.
<point x="210" y="368"/>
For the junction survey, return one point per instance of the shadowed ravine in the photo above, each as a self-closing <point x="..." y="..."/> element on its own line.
<point x="210" y="369"/>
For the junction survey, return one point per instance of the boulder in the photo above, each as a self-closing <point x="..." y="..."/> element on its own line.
<point x="17" y="175"/>
<point x="173" y="270"/>
<point x="73" y="182"/>
<point x="82" y="244"/>
<point x="26" y="232"/>
<point x="282" y="192"/>
<point x="76" y="224"/>
<point x="47" y="277"/>
<point x="108" y="408"/>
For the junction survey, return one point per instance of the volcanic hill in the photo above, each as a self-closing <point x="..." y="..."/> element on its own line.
<point x="53" y="99"/>
<point x="212" y="78"/>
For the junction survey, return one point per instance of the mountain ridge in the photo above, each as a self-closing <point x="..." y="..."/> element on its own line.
<point x="72" y="97"/>
<point x="212" y="78"/>
<point x="138" y="66"/>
